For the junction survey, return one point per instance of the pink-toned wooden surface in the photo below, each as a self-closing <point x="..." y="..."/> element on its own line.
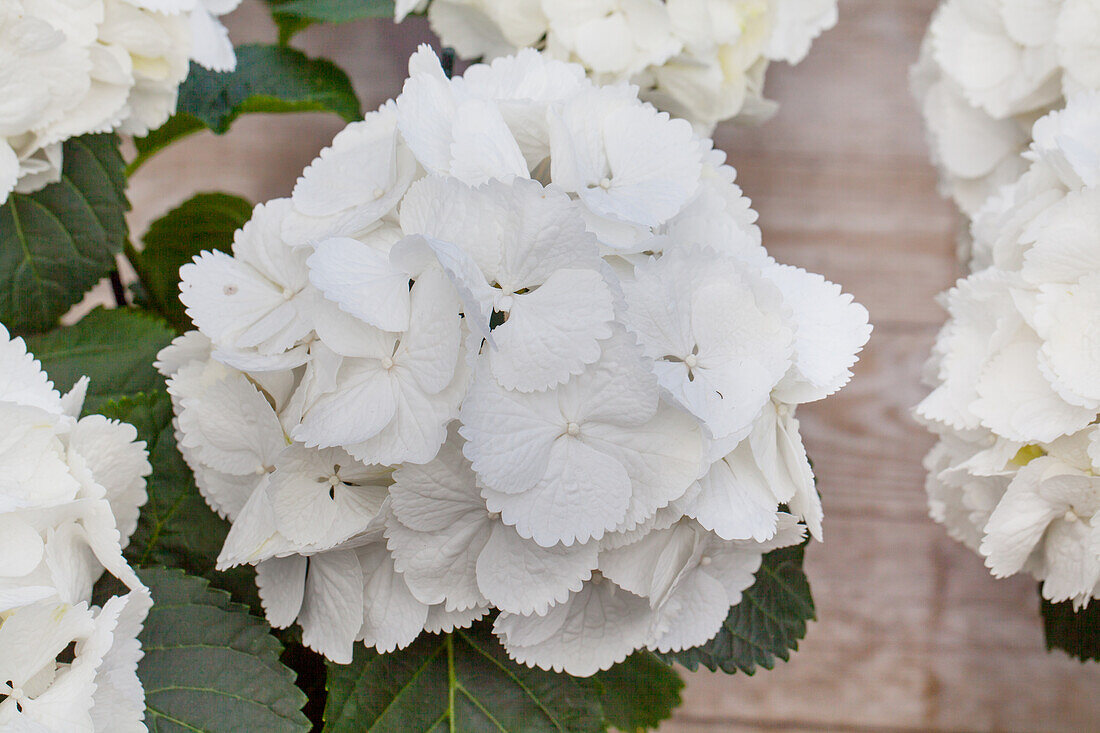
<point x="912" y="633"/>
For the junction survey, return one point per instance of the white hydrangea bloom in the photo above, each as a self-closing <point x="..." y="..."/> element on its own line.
<point x="69" y="501"/>
<point x="1015" y="370"/>
<point x="987" y="72"/>
<point x="74" y="67"/>
<point x="702" y="60"/>
<point x="506" y="325"/>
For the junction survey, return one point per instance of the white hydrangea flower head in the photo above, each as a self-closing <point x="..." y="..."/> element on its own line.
<point x="702" y="60"/>
<point x="1015" y="370"/>
<point x="987" y="72"/>
<point x="75" y="67"/>
<point x="487" y="340"/>
<point x="69" y="501"/>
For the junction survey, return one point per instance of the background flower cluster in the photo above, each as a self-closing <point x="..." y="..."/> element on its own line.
<point x="69" y="501"/>
<point x="702" y="60"/>
<point x="1015" y="370"/>
<point x="73" y="67"/>
<point x="512" y="344"/>
<point x="987" y="72"/>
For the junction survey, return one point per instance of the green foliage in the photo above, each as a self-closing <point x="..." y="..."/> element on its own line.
<point x="55" y="244"/>
<point x="765" y="625"/>
<point x="293" y="16"/>
<point x="1077" y="633"/>
<point x="205" y="222"/>
<point x="267" y="79"/>
<point x="114" y="348"/>
<point x="211" y="666"/>
<point x="460" y="682"/>
<point x="176" y="527"/>
<point x="639" y="693"/>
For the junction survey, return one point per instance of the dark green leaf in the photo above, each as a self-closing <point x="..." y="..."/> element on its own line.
<point x="55" y="244"/>
<point x="1077" y="633"/>
<point x="336" y="11"/>
<point x="204" y="222"/>
<point x="176" y="128"/>
<point x="765" y="625"/>
<point x="639" y="693"/>
<point x="114" y="348"/>
<point x="176" y="527"/>
<point x="460" y="682"/>
<point x="209" y="665"/>
<point x="267" y="79"/>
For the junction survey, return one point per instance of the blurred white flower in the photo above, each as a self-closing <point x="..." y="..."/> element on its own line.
<point x="1015" y="370"/>
<point x="69" y="501"/>
<point x="703" y="60"/>
<point x="74" y="68"/>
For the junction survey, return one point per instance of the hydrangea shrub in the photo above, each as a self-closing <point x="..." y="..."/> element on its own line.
<point x="513" y="338"/>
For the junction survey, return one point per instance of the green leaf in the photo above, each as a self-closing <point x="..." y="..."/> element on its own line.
<point x="640" y="692"/>
<point x="114" y="348"/>
<point x="336" y="11"/>
<point x="211" y="666"/>
<point x="176" y="527"/>
<point x="205" y="222"/>
<point x="765" y="625"/>
<point x="460" y="682"/>
<point x="272" y="79"/>
<point x="55" y="244"/>
<point x="293" y="16"/>
<point x="267" y="79"/>
<point x="176" y="128"/>
<point x="1077" y="633"/>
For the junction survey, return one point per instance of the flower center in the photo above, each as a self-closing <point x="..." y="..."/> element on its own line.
<point x="1070" y="515"/>
<point x="505" y="303"/>
<point x="573" y="429"/>
<point x="705" y="560"/>
<point x="605" y="184"/>
<point x="379" y="193"/>
<point x="387" y="362"/>
<point x="692" y="361"/>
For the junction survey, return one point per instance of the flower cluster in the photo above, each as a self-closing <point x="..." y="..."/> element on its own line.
<point x="1016" y="370"/>
<point x="987" y="72"/>
<point x="703" y="60"/>
<point x="512" y="344"/>
<point x="69" y="498"/>
<point x="73" y="67"/>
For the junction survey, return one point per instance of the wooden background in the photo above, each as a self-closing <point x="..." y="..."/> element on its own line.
<point x="912" y="632"/>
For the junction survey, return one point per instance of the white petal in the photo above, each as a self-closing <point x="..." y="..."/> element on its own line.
<point x="118" y="462"/>
<point x="734" y="500"/>
<point x="830" y="331"/>
<point x="1016" y="401"/>
<point x="281" y="582"/>
<point x="595" y="629"/>
<point x="231" y="427"/>
<point x="362" y="281"/>
<point x="518" y="576"/>
<point x="554" y="332"/>
<point x="509" y="434"/>
<point x="693" y="614"/>
<point x="439" y="567"/>
<point x="21" y="377"/>
<point x="392" y="617"/>
<point x="583" y="494"/>
<point x="332" y="610"/>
